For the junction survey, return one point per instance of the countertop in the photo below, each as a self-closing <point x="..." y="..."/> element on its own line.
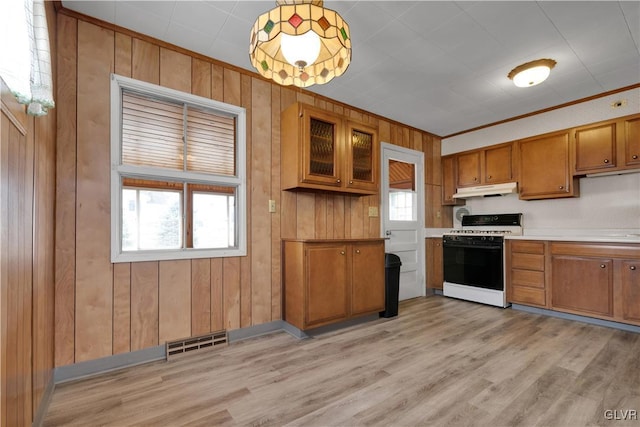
<point x="567" y="235"/>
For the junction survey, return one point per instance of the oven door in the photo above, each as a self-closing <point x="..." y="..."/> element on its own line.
<point x="477" y="264"/>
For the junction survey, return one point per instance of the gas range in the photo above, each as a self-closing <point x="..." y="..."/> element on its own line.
<point x="473" y="258"/>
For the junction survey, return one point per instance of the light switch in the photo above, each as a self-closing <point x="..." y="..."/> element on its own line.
<point x="272" y="206"/>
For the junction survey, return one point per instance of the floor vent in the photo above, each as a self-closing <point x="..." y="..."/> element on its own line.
<point x="196" y="344"/>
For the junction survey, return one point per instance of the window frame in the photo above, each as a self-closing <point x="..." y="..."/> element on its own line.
<point x="120" y="171"/>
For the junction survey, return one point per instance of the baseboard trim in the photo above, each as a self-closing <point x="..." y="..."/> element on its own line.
<point x="103" y="365"/>
<point x="255" y="331"/>
<point x="38" y="417"/>
<point x="577" y="318"/>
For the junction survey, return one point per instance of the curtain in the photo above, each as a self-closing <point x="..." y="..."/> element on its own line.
<point x="25" y="57"/>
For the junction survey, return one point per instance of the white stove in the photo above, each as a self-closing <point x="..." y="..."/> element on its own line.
<point x="474" y="258"/>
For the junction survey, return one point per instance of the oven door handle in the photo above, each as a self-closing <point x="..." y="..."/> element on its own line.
<point x="494" y="248"/>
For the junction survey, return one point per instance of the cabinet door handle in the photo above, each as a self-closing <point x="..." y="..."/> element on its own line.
<point x="602" y="266"/>
<point x="350" y="182"/>
<point x="357" y="251"/>
<point x="633" y="267"/>
<point x="475" y="179"/>
<point x="489" y="177"/>
<point x="606" y="160"/>
<point x="338" y="180"/>
<point x="341" y="252"/>
<point x="561" y="187"/>
<point x="634" y="157"/>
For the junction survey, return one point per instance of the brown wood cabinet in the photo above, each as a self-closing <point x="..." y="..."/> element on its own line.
<point x="435" y="273"/>
<point x="449" y="178"/>
<point x="325" y="151"/>
<point x="582" y="284"/>
<point x="608" y="146"/>
<point x="327" y="281"/>
<point x="632" y="142"/>
<point x="468" y="169"/>
<point x="525" y="267"/>
<point x="596" y="279"/>
<point x="544" y="167"/>
<point x="491" y="165"/>
<point x="631" y="290"/>
<point x="595" y="148"/>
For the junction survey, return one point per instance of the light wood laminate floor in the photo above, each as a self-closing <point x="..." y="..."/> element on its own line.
<point x="441" y="362"/>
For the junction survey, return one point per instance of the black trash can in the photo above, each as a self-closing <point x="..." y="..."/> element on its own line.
<point x="392" y="285"/>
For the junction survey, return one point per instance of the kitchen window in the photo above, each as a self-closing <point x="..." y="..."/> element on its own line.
<point x="178" y="183"/>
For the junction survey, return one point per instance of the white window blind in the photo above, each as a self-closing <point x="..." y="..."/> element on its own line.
<point x="154" y="134"/>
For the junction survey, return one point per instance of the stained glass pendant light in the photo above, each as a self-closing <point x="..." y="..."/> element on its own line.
<point x="300" y="43"/>
<point x="532" y="73"/>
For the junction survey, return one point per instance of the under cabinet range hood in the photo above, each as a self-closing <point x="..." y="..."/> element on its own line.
<point x="486" y="190"/>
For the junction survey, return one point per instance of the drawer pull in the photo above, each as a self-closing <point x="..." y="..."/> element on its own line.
<point x="338" y="181"/>
<point x="606" y="160"/>
<point x="357" y="251"/>
<point x="602" y="266"/>
<point x="634" y="157"/>
<point x="561" y="187"/>
<point x="633" y="267"/>
<point x="341" y="252"/>
<point x="350" y="182"/>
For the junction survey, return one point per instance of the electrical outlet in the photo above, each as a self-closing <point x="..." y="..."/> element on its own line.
<point x="272" y="206"/>
<point x="373" y="211"/>
<point x="438" y="214"/>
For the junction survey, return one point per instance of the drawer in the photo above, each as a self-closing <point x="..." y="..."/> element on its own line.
<point x="529" y="278"/>
<point x="527" y="261"/>
<point x="523" y="295"/>
<point x="527" y="247"/>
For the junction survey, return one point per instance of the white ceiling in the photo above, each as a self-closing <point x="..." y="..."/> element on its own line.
<point x="438" y="66"/>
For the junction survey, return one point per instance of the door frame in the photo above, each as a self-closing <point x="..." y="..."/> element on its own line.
<point x="402" y="153"/>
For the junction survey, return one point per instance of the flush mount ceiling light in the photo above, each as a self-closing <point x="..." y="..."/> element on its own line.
<point x="532" y="73"/>
<point x="300" y="43"/>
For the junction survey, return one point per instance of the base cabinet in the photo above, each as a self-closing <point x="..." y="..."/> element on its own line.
<point x="597" y="280"/>
<point x="631" y="290"/>
<point x="526" y="282"/>
<point x="435" y="272"/>
<point x="583" y="284"/>
<point x="332" y="280"/>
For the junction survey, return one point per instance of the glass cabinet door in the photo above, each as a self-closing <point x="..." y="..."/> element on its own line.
<point x="321" y="148"/>
<point x="362" y="157"/>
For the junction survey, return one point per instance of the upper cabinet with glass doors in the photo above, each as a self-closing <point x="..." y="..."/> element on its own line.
<point x="325" y="151"/>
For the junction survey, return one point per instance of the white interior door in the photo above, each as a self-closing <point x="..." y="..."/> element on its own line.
<point x="403" y="215"/>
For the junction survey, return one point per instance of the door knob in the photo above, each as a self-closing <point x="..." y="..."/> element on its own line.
<point x="388" y="233"/>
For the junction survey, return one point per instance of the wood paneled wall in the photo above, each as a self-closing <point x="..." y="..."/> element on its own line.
<point x="27" y="221"/>
<point x="103" y="308"/>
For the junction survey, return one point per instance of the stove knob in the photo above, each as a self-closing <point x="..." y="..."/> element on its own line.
<point x="484" y="237"/>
